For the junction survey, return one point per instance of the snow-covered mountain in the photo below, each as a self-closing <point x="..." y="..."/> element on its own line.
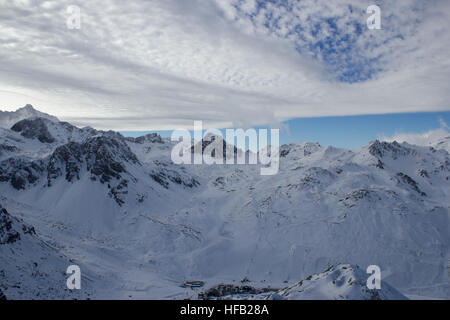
<point x="342" y="282"/>
<point x="32" y="267"/>
<point x="139" y="226"/>
<point x="438" y="138"/>
<point x="9" y="118"/>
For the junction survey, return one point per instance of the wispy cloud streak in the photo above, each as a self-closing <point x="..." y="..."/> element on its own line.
<point x="140" y="65"/>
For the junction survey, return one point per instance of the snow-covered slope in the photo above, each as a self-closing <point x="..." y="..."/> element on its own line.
<point x="141" y="225"/>
<point x="443" y="143"/>
<point x="31" y="267"/>
<point x="342" y="282"/>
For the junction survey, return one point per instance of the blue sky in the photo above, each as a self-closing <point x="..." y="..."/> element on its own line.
<point x="349" y="131"/>
<point x="355" y="131"/>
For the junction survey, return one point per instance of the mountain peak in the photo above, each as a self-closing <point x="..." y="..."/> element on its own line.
<point x="339" y="282"/>
<point x="9" y="118"/>
<point x="28" y="107"/>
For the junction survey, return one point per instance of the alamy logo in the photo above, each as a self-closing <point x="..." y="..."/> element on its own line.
<point x="74" y="281"/>
<point x="74" y="19"/>
<point x="374" y="281"/>
<point x="374" y="20"/>
<point x="210" y="148"/>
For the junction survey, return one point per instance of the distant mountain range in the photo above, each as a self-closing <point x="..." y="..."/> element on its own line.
<point x="139" y="226"/>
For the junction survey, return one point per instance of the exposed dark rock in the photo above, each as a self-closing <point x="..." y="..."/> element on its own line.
<point x="7" y="148"/>
<point x="315" y="176"/>
<point x="394" y="149"/>
<point x="423" y="173"/>
<point x="69" y="157"/>
<point x="7" y="232"/>
<point x="304" y="149"/>
<point x="163" y="175"/>
<point x="445" y="166"/>
<point x="117" y="192"/>
<point x="229" y="149"/>
<point x="151" y="137"/>
<point x="284" y="151"/>
<point x="160" y="178"/>
<point x="351" y="199"/>
<point x="28" y="229"/>
<point x="105" y="157"/>
<point x="219" y="182"/>
<point x="379" y="164"/>
<point x="310" y="148"/>
<point x="34" y="129"/>
<point x="20" y="172"/>
<point x="2" y="296"/>
<point x="411" y="182"/>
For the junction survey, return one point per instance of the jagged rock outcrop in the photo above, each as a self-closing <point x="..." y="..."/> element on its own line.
<point x="316" y="176"/>
<point x="164" y="175"/>
<point x="302" y="149"/>
<point x="5" y="148"/>
<point x="150" y="138"/>
<point x="7" y="233"/>
<point x="393" y="149"/>
<point x="105" y="157"/>
<point x="227" y="150"/>
<point x="405" y="179"/>
<point x="66" y="158"/>
<point x="21" y="172"/>
<point x="12" y="228"/>
<point x="34" y="129"/>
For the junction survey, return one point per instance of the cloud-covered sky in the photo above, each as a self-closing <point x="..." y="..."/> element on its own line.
<point x="160" y="64"/>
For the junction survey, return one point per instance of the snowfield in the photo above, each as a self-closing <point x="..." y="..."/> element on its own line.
<point x="140" y="226"/>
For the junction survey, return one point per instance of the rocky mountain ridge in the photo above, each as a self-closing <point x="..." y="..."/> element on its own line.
<point x="135" y="220"/>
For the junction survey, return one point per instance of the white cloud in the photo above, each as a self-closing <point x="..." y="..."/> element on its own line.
<point x="429" y="138"/>
<point x="139" y="65"/>
<point x="443" y="124"/>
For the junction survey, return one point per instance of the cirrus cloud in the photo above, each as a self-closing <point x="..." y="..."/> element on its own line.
<point x="141" y="65"/>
